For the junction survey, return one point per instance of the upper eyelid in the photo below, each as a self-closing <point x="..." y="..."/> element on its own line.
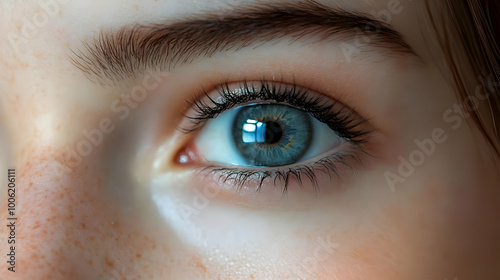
<point x="114" y="56"/>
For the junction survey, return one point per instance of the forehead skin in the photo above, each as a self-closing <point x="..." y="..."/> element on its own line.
<point x="70" y="225"/>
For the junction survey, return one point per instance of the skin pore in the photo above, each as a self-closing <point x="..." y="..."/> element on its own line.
<point x="130" y="209"/>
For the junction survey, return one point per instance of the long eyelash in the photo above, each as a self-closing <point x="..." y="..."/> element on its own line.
<point x="328" y="165"/>
<point x="344" y="123"/>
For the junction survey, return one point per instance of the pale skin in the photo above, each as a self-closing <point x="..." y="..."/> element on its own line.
<point x="165" y="220"/>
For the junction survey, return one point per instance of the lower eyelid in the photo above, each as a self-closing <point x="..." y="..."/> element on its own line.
<point x="306" y="176"/>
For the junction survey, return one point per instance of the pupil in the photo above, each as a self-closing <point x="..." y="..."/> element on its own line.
<point x="274" y="132"/>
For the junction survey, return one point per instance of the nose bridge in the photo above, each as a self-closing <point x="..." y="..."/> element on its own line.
<point x="53" y="211"/>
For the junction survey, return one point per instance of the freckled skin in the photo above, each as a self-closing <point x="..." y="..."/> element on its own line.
<point x="103" y="219"/>
<point x="56" y="225"/>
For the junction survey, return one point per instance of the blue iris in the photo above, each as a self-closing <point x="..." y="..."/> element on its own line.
<point x="271" y="134"/>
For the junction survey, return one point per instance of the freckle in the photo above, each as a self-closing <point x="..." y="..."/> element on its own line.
<point x="199" y="264"/>
<point x="136" y="7"/>
<point x="83" y="225"/>
<point x="58" y="128"/>
<point x="109" y="263"/>
<point x="138" y="256"/>
<point x="31" y="184"/>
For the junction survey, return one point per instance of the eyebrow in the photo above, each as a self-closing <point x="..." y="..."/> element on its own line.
<point x="115" y="55"/>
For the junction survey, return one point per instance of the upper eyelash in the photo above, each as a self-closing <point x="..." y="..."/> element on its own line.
<point x="344" y="123"/>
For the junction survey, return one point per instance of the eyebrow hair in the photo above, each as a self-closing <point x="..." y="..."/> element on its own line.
<point x="116" y="55"/>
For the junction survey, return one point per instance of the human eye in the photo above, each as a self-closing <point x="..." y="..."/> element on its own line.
<point x="254" y="134"/>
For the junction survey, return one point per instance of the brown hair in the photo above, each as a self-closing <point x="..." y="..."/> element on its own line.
<point x="467" y="31"/>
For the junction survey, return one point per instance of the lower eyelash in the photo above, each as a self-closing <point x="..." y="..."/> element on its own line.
<point x="328" y="165"/>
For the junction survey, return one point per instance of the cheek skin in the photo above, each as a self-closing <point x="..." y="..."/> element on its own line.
<point x="444" y="213"/>
<point x="68" y="228"/>
<point x="65" y="227"/>
<point x="264" y="244"/>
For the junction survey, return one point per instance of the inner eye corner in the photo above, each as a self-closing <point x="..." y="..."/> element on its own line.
<point x="186" y="155"/>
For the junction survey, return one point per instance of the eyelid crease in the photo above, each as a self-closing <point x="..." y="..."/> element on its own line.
<point x="123" y="53"/>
